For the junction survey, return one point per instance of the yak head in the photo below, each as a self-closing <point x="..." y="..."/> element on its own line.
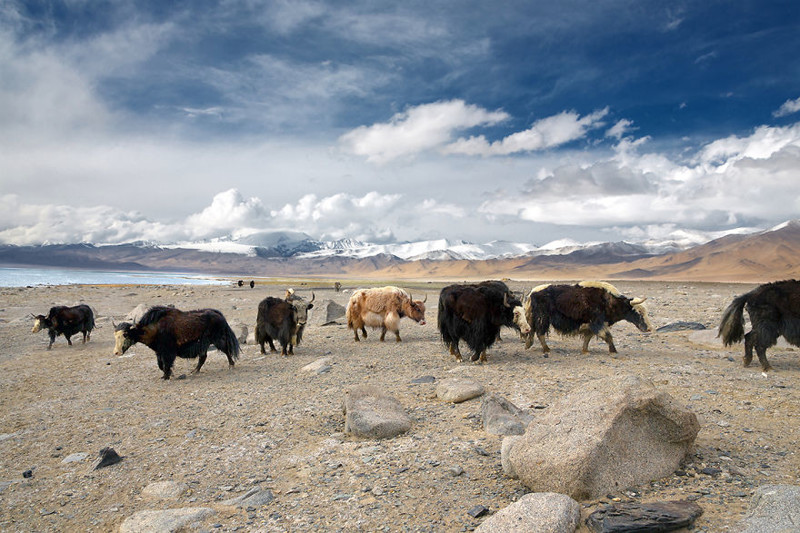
<point x="638" y="315"/>
<point x="300" y="309"/>
<point x="415" y="309"/>
<point x="519" y="314"/>
<point x="122" y="337"/>
<point x="40" y="322"/>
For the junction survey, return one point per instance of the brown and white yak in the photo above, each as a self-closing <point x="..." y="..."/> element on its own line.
<point x="383" y="307"/>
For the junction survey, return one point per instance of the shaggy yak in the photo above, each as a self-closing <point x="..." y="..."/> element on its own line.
<point x="172" y="333"/>
<point x="383" y="307"/>
<point x="67" y="321"/>
<point x="587" y="309"/>
<point x="282" y="320"/>
<point x="774" y="310"/>
<point x="475" y="313"/>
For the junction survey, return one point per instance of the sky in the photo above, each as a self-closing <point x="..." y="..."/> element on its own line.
<point x="526" y="121"/>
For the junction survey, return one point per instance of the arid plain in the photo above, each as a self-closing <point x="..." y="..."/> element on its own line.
<point x="268" y="424"/>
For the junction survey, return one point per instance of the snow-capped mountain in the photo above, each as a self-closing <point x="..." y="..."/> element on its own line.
<point x="301" y="245"/>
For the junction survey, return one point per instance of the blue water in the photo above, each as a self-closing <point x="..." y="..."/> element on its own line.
<point x="23" y="277"/>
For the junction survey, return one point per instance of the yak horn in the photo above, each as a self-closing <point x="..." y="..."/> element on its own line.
<point x="638" y="301"/>
<point x="425" y="299"/>
<point x="505" y="300"/>
<point x="312" y="297"/>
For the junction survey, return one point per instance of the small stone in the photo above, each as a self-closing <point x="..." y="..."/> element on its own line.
<point x="27" y="474"/>
<point x="455" y="471"/>
<point x="108" y="457"/>
<point x="714" y="472"/>
<point x="423" y="379"/>
<point x="478" y="511"/>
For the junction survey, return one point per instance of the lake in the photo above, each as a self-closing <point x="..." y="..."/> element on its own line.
<point x="23" y="277"/>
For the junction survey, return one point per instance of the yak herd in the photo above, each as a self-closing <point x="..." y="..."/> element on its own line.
<point x="473" y="313"/>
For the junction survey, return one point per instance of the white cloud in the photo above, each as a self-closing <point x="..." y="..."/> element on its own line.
<point x="369" y="217"/>
<point x="545" y="133"/>
<point x="787" y="108"/>
<point x="619" y="129"/>
<point x="417" y="129"/>
<point x="228" y="212"/>
<point x="732" y="181"/>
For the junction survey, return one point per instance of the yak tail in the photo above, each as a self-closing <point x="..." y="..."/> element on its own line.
<point x="227" y="342"/>
<point x="731" y="328"/>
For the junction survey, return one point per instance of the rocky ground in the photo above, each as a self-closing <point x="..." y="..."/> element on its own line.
<point x="266" y="424"/>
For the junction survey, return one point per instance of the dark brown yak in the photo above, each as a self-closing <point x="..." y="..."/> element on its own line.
<point x="172" y="333"/>
<point x="67" y="321"/>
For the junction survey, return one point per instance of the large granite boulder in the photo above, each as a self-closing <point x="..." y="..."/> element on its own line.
<point x="327" y="313"/>
<point x="369" y="413"/>
<point x="607" y="435"/>
<point x="773" y="509"/>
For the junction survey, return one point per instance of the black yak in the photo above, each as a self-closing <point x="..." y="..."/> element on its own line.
<point x="774" y="310"/>
<point x="587" y="309"/>
<point x="172" y="333"/>
<point x="67" y="321"/>
<point x="282" y="320"/>
<point x="475" y="313"/>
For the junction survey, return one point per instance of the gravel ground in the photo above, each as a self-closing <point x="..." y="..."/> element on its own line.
<point x="267" y="424"/>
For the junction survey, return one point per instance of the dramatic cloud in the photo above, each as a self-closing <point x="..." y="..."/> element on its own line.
<point x="545" y="133"/>
<point x="417" y="129"/>
<point x="728" y="183"/>
<point x="788" y="107"/>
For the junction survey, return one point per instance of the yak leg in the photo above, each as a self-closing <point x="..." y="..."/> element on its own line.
<point x="454" y="351"/>
<point x="545" y="347"/>
<point x="748" y="348"/>
<point x="200" y="361"/>
<point x="383" y="333"/>
<point x="291" y="349"/>
<point x="528" y="340"/>
<point x="397" y="336"/>
<point x="364" y="331"/>
<point x="587" y="336"/>
<point x="483" y="358"/>
<point x="762" y="357"/>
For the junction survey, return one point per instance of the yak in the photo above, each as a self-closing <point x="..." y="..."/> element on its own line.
<point x="383" y="307"/>
<point x="475" y="313"/>
<point x="67" y="321"/>
<point x="282" y="320"/>
<point x="173" y="333"/>
<point x="774" y="310"/>
<point x="587" y="309"/>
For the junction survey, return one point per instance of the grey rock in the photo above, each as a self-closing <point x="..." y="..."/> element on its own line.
<point x="610" y="433"/>
<point x="327" y="313"/>
<point x="773" y="509"/>
<point x="543" y="512"/>
<point x="501" y="417"/>
<point x="320" y="366"/>
<point x="107" y="457"/>
<point x="457" y="390"/>
<point x="369" y="413"/>
<point x="165" y="490"/>
<point x="681" y="326"/>
<point x="243" y="332"/>
<point x="169" y="520"/>
<point x="255" y="497"/>
<point x="136" y="313"/>
<point x="423" y="379"/>
<point x="74" y="458"/>
<point x="654" y="516"/>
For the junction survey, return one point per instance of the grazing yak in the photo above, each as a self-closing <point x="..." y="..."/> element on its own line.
<point x="172" y="333"/>
<point x="67" y="321"/>
<point x="282" y="320"/>
<point x="475" y="313"/>
<point x="383" y="307"/>
<point x="774" y="310"/>
<point x="587" y="309"/>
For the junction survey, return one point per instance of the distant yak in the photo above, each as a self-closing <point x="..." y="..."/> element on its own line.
<point x="67" y="321"/>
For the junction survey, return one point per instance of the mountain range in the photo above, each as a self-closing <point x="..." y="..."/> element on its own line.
<point x="755" y="257"/>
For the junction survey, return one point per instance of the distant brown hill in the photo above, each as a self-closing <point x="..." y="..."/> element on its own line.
<point x="758" y="257"/>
